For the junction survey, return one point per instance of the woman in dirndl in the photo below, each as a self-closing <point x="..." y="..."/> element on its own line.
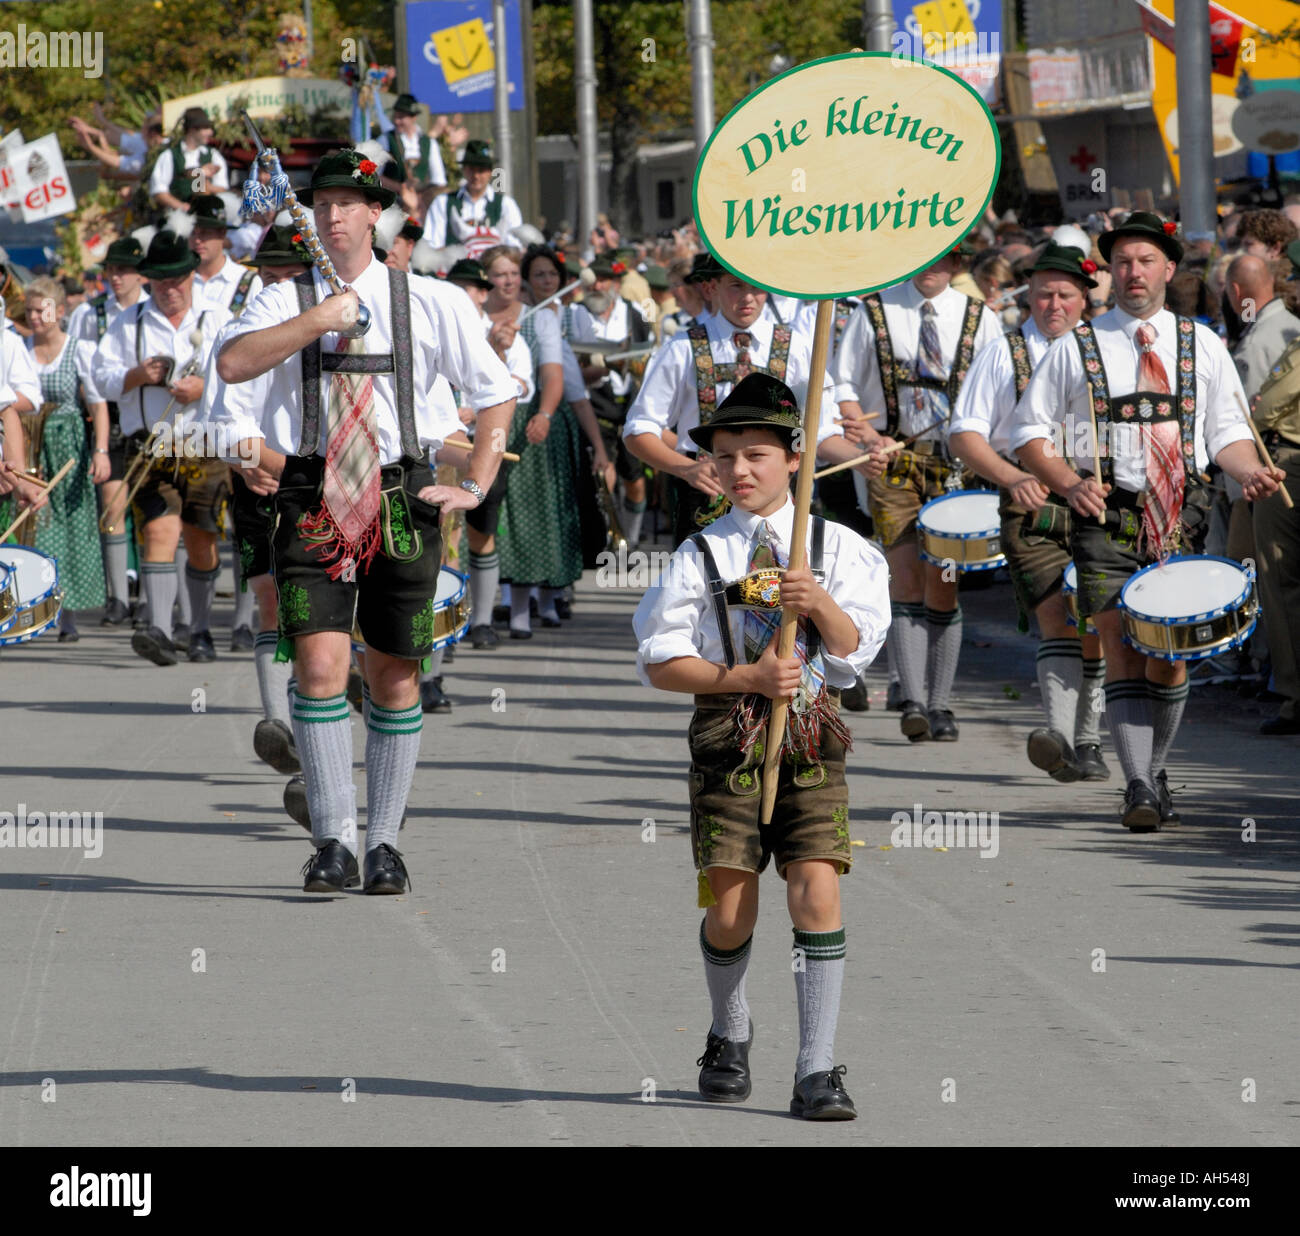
<point x="68" y="529"/>
<point x="540" y="537"/>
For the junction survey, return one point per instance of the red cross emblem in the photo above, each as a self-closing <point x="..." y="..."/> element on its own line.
<point x="1083" y="158"/>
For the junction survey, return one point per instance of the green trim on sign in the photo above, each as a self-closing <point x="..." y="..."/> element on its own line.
<point x="875" y="287"/>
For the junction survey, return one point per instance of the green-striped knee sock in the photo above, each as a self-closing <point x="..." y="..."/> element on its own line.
<point x="392" y="748"/>
<point x="818" y="978"/>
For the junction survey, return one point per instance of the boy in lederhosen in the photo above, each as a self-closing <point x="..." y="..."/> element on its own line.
<point x="1167" y="400"/>
<point x="707" y="628"/>
<point x="1036" y="523"/>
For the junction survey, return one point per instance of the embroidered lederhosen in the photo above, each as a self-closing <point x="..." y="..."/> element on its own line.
<point x="1145" y="408"/>
<point x="893" y="374"/>
<point x="238" y="300"/>
<point x="397" y="540"/>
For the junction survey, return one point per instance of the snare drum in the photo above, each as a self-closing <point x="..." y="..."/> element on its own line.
<point x="33" y="580"/>
<point x="1070" y="592"/>
<point x="451" y="611"/>
<point x="963" y="529"/>
<point x="1189" y="608"/>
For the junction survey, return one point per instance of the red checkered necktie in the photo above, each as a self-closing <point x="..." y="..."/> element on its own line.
<point x="742" y="340"/>
<point x="1162" y="455"/>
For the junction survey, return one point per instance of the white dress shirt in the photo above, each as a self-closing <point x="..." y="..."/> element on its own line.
<point x="1059" y="394"/>
<point x="446" y="338"/>
<point x="669" y="399"/>
<point x="987" y="399"/>
<point x="220" y="289"/>
<point x="84" y="322"/>
<point x="144" y="406"/>
<point x="676" y="617"/>
<point x="17" y="373"/>
<point x="857" y="372"/>
<point x="472" y="216"/>
<point x="164" y="170"/>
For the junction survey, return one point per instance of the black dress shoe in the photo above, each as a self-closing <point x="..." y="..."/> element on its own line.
<point x="563" y="608"/>
<point x="821" y="1096"/>
<point x="201" y="647"/>
<point x="273" y="744"/>
<point x="154" y="646"/>
<point x="385" y="871"/>
<point x="295" y="802"/>
<point x="330" y="870"/>
<point x="857" y="697"/>
<point x="115" y="613"/>
<point x="1281" y="725"/>
<point x="431" y="697"/>
<point x="724" y="1071"/>
<point x="1088" y="757"/>
<point x="1169" y="818"/>
<point x="894" y="697"/>
<point x="69" y="637"/>
<point x="1048" y="750"/>
<point x="1141" y="808"/>
<point x="516" y="634"/>
<point x="181" y="635"/>
<point x="500" y="615"/>
<point x="914" y="722"/>
<point x="241" y="640"/>
<point x="483" y="637"/>
<point x="943" y="728"/>
<point x="550" y="623"/>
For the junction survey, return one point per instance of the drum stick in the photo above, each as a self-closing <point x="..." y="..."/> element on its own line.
<point x="866" y="416"/>
<point x="1263" y="450"/>
<point x="853" y="463"/>
<point x="798" y="550"/>
<point x="30" y="478"/>
<point x="508" y="456"/>
<point x="54" y="480"/>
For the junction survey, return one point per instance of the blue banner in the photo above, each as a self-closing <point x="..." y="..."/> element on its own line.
<point x="450" y="57"/>
<point x="962" y="35"/>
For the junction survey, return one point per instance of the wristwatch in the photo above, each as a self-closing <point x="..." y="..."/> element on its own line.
<point x="472" y="486"/>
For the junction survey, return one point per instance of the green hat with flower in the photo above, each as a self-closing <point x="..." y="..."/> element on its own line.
<point x="348" y="169"/>
<point x="1146" y="225"/>
<point x="1068" y="260"/>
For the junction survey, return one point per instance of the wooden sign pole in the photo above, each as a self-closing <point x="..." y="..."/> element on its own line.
<point x="798" y="553"/>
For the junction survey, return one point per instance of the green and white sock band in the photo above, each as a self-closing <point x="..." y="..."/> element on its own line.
<point x="820" y="945"/>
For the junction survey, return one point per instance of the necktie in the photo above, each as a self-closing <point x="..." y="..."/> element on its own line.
<point x="929" y="364"/>
<point x="743" y="368"/>
<point x="1161" y="454"/>
<point x="347" y="528"/>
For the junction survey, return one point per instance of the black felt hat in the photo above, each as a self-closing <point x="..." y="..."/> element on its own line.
<point x="209" y="211"/>
<point x="467" y="270"/>
<point x="406" y="105"/>
<point x="412" y="229"/>
<point x="705" y="266"/>
<point x="1068" y="260"/>
<point x="125" y="251"/>
<point x="759" y="401"/>
<point x="348" y="169"/>
<point x="477" y="154"/>
<point x="1147" y="226"/>
<point x="169" y="257"/>
<point x="282" y="246"/>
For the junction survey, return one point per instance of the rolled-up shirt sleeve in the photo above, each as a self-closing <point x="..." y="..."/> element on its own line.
<point x="22" y="374"/>
<point x="853" y="366"/>
<point x="1057" y="395"/>
<point x="234" y="406"/>
<point x="859" y="585"/>
<point x="656" y="406"/>
<point x="1225" y="422"/>
<point x="550" y="349"/>
<point x="464" y="356"/>
<point x="668" y="621"/>
<point x="85" y="359"/>
<point x="519" y="360"/>
<point x="981" y="393"/>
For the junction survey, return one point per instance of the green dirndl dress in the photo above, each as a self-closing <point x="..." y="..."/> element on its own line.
<point x="69" y="531"/>
<point x="539" y="537"/>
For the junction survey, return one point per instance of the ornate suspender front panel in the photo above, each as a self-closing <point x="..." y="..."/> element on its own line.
<point x="1144" y="407"/>
<point x="970" y="326"/>
<point x="1019" y="361"/>
<point x="708" y="372"/>
<point x="891" y="375"/>
<point x="240" y="298"/>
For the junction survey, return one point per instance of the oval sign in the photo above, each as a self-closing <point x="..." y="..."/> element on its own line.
<point x="846" y="175"/>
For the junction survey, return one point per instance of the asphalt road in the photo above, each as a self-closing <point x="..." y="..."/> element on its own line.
<point x="542" y="981"/>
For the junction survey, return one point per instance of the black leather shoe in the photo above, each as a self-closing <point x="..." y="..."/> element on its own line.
<point x="273" y="744"/>
<point x="894" y="697"/>
<point x="549" y="623"/>
<point x="1169" y="818"/>
<point x="431" y="697"/>
<point x="385" y="871"/>
<point x="914" y="723"/>
<point x="1048" y="750"/>
<point x="724" y="1071"/>
<point x="69" y="637"/>
<point x="516" y="634"/>
<point x="295" y="802"/>
<point x="1281" y="725"/>
<point x="821" y="1096"/>
<point x="115" y="613"/>
<point x="483" y="637"/>
<point x="943" y="727"/>
<point x="154" y="646"/>
<point x="241" y="640"/>
<point x="330" y="870"/>
<point x="1088" y="757"/>
<point x="500" y="615"/>
<point x="856" y="698"/>
<point x="181" y="635"/>
<point x="1141" y="808"/>
<point x="201" y="647"/>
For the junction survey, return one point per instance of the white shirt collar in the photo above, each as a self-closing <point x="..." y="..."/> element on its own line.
<point x="1161" y="322"/>
<point x="760" y="328"/>
<point x="782" y="522"/>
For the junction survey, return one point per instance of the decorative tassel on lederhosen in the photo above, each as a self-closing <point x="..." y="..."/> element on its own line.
<point x="759" y="594"/>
